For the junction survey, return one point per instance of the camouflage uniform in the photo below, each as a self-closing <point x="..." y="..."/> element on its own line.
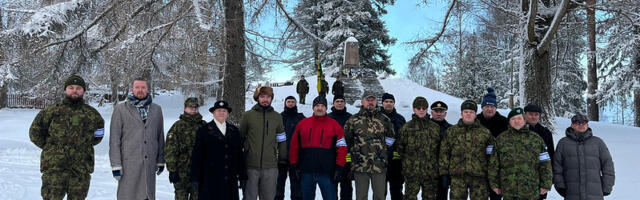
<point x="464" y="154"/>
<point x="178" y="148"/>
<point x="66" y="132"/>
<point x="418" y="145"/>
<point x="368" y="134"/>
<point x="520" y="164"/>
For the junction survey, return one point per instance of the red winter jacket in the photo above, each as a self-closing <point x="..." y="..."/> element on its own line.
<point x="318" y="145"/>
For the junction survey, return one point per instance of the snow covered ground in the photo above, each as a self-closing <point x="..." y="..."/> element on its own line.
<point x="20" y="159"/>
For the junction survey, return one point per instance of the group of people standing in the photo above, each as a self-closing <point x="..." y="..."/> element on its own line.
<point x="481" y="156"/>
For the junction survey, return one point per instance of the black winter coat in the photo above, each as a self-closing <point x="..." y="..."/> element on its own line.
<point x="444" y="125"/>
<point x="290" y="118"/>
<point x="340" y="115"/>
<point x="496" y="124"/>
<point x="398" y="121"/>
<point x="217" y="162"/>
<point x="546" y="136"/>
<point x="337" y="88"/>
<point x="583" y="166"/>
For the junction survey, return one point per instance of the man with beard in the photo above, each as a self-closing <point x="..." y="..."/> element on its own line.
<point x="290" y="118"/>
<point x="136" y="143"/>
<point x="369" y="134"/>
<point x="318" y="152"/>
<point x="340" y="114"/>
<point x="66" y="132"/>
<point x="179" y="147"/>
<point x="265" y="145"/>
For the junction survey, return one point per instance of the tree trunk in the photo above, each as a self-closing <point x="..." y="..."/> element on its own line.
<point x="4" y="99"/>
<point x="636" y="92"/>
<point x="537" y="83"/>
<point x="592" y="76"/>
<point x="234" y="76"/>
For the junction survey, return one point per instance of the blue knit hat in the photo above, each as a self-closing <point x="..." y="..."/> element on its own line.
<point x="489" y="98"/>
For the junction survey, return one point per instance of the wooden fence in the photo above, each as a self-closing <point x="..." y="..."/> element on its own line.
<point x="23" y="101"/>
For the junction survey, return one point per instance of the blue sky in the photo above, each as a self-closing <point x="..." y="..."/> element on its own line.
<point x="406" y="21"/>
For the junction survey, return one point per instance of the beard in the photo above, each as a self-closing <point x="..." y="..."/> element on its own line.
<point x="75" y="99"/>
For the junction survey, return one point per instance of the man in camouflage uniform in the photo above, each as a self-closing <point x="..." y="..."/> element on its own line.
<point x="520" y="166"/>
<point x="418" y="144"/>
<point x="368" y="134"/>
<point x="464" y="155"/>
<point x="302" y="88"/>
<point x="324" y="87"/>
<point x="66" y="132"/>
<point x="179" y="146"/>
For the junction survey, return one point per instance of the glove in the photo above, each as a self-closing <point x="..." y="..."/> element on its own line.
<point x="195" y="186"/>
<point x="606" y="193"/>
<point x="117" y="174"/>
<point x="174" y="177"/>
<point x="297" y="173"/>
<point x="562" y="191"/>
<point x="445" y="181"/>
<point x="243" y="184"/>
<point x="337" y="174"/>
<point x="160" y="169"/>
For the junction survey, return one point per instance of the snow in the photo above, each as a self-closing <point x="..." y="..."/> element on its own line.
<point x="20" y="159"/>
<point x="41" y="23"/>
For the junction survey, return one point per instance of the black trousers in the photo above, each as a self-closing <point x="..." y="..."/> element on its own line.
<point x="296" y="192"/>
<point x="346" y="189"/>
<point x="395" y="179"/>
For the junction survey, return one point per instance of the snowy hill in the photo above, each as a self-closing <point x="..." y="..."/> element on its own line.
<point x="20" y="159"/>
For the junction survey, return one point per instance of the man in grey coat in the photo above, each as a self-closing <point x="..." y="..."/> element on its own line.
<point x="136" y="144"/>
<point x="582" y="166"/>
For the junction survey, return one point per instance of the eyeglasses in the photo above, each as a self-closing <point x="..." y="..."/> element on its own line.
<point x="421" y="108"/>
<point x="580" y="123"/>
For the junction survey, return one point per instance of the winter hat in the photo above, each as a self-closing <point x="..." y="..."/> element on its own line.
<point x="420" y="102"/>
<point x="75" y="80"/>
<point x="289" y="97"/>
<point x="469" y="105"/>
<point x="266" y="90"/>
<point x="579" y="118"/>
<point x="191" y="102"/>
<point x="514" y="112"/>
<point x="367" y="94"/>
<point x="386" y="96"/>
<point x="439" y="105"/>
<point x="532" y="108"/>
<point x="338" y="96"/>
<point x="489" y="98"/>
<point x="320" y="100"/>
<point x="220" y="104"/>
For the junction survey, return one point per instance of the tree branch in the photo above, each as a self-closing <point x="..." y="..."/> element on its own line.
<point x="544" y="44"/>
<point x="298" y="25"/>
<point x="431" y="41"/>
<point x="531" y="21"/>
<point x="81" y="32"/>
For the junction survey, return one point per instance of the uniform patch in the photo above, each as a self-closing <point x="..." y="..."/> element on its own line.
<point x="341" y="142"/>
<point x="489" y="149"/>
<point x="389" y="141"/>
<point x="544" y="157"/>
<point x="99" y="132"/>
<point x="281" y="137"/>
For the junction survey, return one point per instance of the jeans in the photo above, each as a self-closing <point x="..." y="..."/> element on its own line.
<point x="308" y="183"/>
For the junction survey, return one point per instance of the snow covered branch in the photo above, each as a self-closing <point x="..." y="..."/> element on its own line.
<point x="531" y="20"/>
<point x="198" y="12"/>
<point x="84" y="30"/>
<point x="298" y="25"/>
<point x="42" y="22"/>
<point x="561" y="11"/>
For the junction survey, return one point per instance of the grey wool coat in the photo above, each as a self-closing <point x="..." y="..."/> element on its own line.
<point x="583" y="166"/>
<point x="137" y="149"/>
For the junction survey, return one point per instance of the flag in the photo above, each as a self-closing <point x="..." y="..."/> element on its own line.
<point x="319" y="69"/>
